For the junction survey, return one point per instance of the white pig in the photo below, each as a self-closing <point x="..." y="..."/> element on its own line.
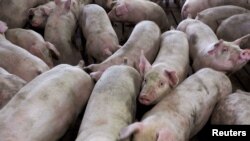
<point x="17" y="60"/>
<point x="44" y="108"/>
<point x="34" y="43"/>
<point x="233" y="110"/>
<point x="168" y="70"/>
<point x="184" y="112"/>
<point x="235" y="27"/>
<point x="215" y="15"/>
<point x="114" y="96"/>
<point x="60" y="29"/>
<point x="101" y="39"/>
<point x="145" y="36"/>
<point x="207" y="51"/>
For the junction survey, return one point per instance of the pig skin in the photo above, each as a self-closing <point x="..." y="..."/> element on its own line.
<point x="17" y="60"/>
<point x="100" y="36"/>
<point x="207" y="51"/>
<point x="15" y="12"/>
<point x="168" y="70"/>
<point x="34" y="43"/>
<point x="233" y="110"/>
<point x="134" y="11"/>
<point x="215" y="15"/>
<point x="235" y="27"/>
<point x="192" y="7"/>
<point x="182" y="113"/>
<point x="145" y="37"/>
<point x="44" y="108"/>
<point x="60" y="29"/>
<point x="9" y="85"/>
<point x="114" y="96"/>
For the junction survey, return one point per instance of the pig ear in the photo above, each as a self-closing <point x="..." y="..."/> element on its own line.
<point x="173" y="79"/>
<point x="46" y="11"/>
<point x="242" y="40"/>
<point x="128" y="131"/>
<point x="3" y="27"/>
<point x="96" y="75"/>
<point x="121" y="9"/>
<point x="107" y="52"/>
<point x="164" y="135"/>
<point x="31" y="11"/>
<point x="216" y="47"/>
<point x="67" y="5"/>
<point x="55" y="53"/>
<point x="144" y="65"/>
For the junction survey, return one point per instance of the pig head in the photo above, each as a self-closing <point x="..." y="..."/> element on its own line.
<point x="156" y="81"/>
<point x="225" y="56"/>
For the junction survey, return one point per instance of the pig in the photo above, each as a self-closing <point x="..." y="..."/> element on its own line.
<point x="134" y="11"/>
<point x="34" y="43"/>
<point x="18" y="61"/>
<point x="10" y="84"/>
<point x="233" y="109"/>
<point x="145" y="37"/>
<point x="115" y="97"/>
<point x="101" y="39"/>
<point x="192" y="7"/>
<point x="207" y="51"/>
<point x="48" y="105"/>
<point x="215" y="15"/>
<point x="184" y="112"/>
<point x="15" y="12"/>
<point x="241" y="24"/>
<point x="168" y="70"/>
<point x="60" y="29"/>
<point x="40" y="14"/>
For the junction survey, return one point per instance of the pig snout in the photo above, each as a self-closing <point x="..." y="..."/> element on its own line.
<point x="146" y="98"/>
<point x="245" y="54"/>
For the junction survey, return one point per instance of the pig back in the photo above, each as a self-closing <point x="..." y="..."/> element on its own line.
<point x="111" y="105"/>
<point x="194" y="99"/>
<point x="233" y="110"/>
<point x="48" y="104"/>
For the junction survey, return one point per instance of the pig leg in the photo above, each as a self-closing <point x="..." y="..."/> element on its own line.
<point x="128" y="131"/>
<point x="3" y="27"/>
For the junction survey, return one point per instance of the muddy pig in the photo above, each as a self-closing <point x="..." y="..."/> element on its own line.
<point x="10" y="84"/>
<point x="145" y="36"/>
<point x="17" y="60"/>
<point x="34" y="43"/>
<point x="60" y="29"/>
<point x="40" y="14"/>
<point x="192" y="7"/>
<point x="15" y="12"/>
<point x="48" y="105"/>
<point x="235" y="27"/>
<point x="115" y="97"/>
<point x="184" y="112"/>
<point x="233" y="110"/>
<point x="168" y="70"/>
<point x="215" y="15"/>
<point x="134" y="11"/>
<point x="207" y="51"/>
<point x="100" y="36"/>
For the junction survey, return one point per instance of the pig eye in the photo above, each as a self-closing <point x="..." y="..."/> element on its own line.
<point x="145" y="81"/>
<point x="224" y="49"/>
<point x="161" y="84"/>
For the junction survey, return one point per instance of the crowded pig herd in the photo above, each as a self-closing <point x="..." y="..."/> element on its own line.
<point x="67" y="65"/>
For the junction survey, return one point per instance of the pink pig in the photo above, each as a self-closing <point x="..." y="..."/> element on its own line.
<point x="207" y="51"/>
<point x="168" y="70"/>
